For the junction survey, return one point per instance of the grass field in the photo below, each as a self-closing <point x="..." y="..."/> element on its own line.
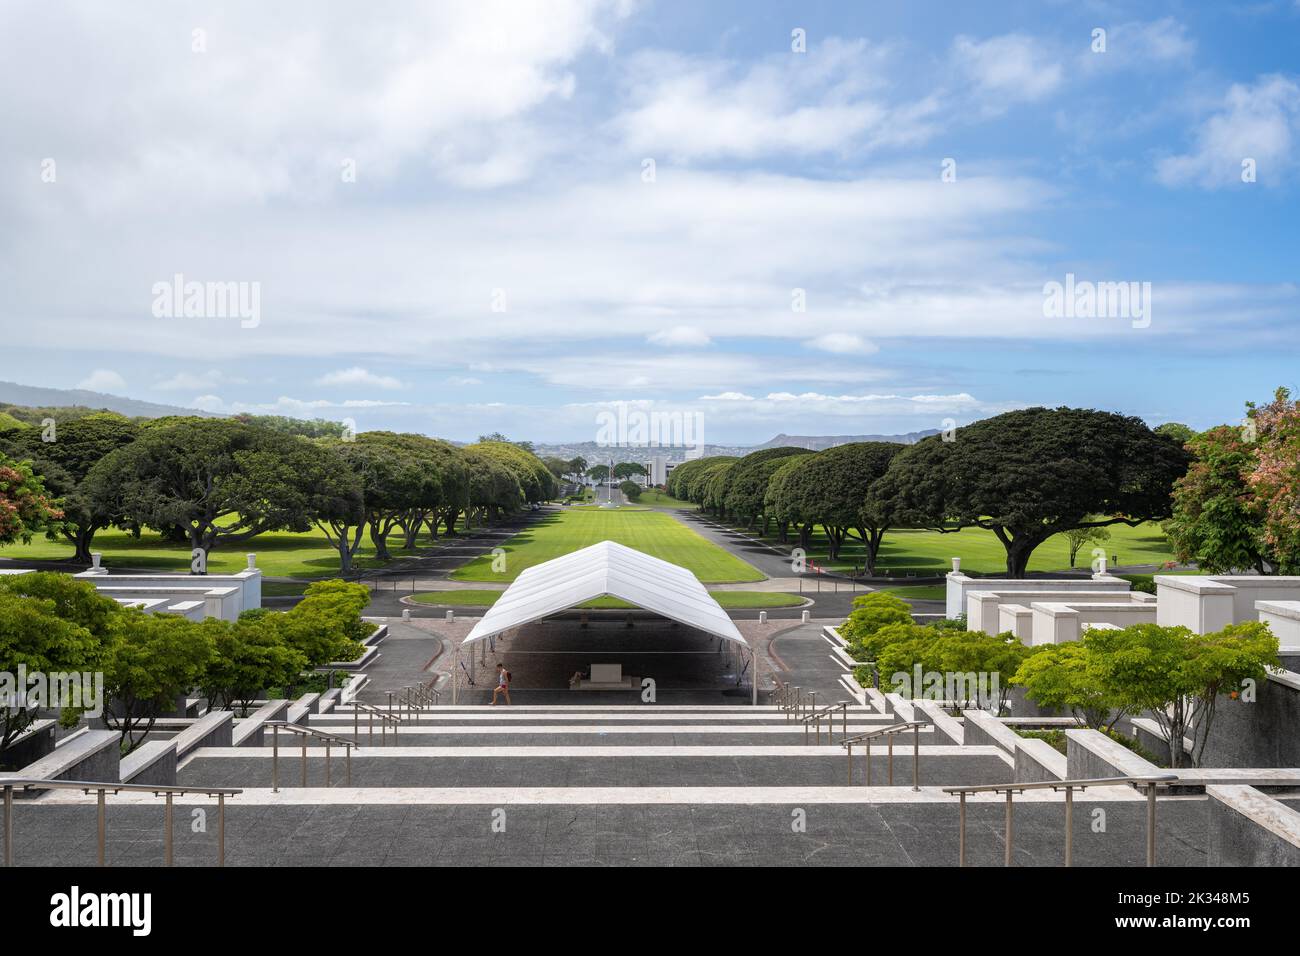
<point x="928" y="553"/>
<point x="279" y="554"/>
<point x="735" y="600"/>
<point x="661" y="500"/>
<point x="652" y="532"/>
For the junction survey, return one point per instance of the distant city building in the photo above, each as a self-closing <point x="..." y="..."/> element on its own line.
<point x="658" y="470"/>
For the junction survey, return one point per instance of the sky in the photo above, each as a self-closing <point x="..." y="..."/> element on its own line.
<point x="811" y="218"/>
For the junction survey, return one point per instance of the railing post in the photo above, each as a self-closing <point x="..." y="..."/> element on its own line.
<point x="1151" y="824"/>
<point x="845" y="711"/>
<point x="961" y="830"/>
<point x="916" y="758"/>
<point x="849" y="748"/>
<point x="1069" y="826"/>
<point x="356" y="727"/>
<point x="1010" y="832"/>
<point x="167" y="832"/>
<point x="349" y="764"/>
<point x="304" y="761"/>
<point x="371" y="715"/>
<point x="868" y="743"/>
<point x="275" y="758"/>
<point x="9" y="826"/>
<point x="327" y="763"/>
<point x="103" y="825"/>
<point x="890" y="738"/>
<point x="221" y="829"/>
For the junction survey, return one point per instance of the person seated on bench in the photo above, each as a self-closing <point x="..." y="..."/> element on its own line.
<point x="577" y="678"/>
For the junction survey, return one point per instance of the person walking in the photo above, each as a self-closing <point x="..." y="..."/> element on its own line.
<point x="503" y="684"/>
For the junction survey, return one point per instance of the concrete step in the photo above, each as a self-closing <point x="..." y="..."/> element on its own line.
<point x="825" y="826"/>
<point x="503" y="717"/>
<point x="465" y="767"/>
<point x="627" y="734"/>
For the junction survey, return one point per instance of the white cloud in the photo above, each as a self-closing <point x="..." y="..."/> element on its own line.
<point x="464" y="381"/>
<point x="359" y="376"/>
<point x="824" y="101"/>
<point x="103" y="380"/>
<point x="1008" y="69"/>
<point x="293" y="407"/>
<point x="727" y="397"/>
<point x="1259" y="121"/>
<point x="842" y="343"/>
<point x="189" y="382"/>
<point x="680" y="336"/>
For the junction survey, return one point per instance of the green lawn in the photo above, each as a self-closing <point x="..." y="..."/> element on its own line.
<point x="735" y="600"/>
<point x="921" y="592"/>
<point x="279" y="554"/>
<point x="661" y="500"/>
<point x="929" y="553"/>
<point x="652" y="532"/>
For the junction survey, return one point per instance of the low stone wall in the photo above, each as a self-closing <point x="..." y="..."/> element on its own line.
<point x="944" y="724"/>
<point x="1247" y="828"/>
<point x="31" y="745"/>
<point x="91" y="755"/>
<point x="1038" y="761"/>
<point x="1090" y="753"/>
<point x="1259" y="734"/>
<point x="152" y="762"/>
<point x="250" y="731"/>
<point x="984" y="729"/>
<point x="212" y="730"/>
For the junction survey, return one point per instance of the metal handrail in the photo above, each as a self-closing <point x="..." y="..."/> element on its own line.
<point x="306" y="732"/>
<point x="384" y="720"/>
<point x="1069" y="786"/>
<point x="826" y="713"/>
<point x="101" y="789"/>
<point x="889" y="733"/>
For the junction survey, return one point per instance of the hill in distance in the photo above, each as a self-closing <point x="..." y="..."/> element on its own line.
<point x="33" y="396"/>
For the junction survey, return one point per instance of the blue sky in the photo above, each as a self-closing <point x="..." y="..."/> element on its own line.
<point x="501" y="259"/>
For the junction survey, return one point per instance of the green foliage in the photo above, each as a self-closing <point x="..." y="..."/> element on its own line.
<point x="631" y="489"/>
<point x="25" y="508"/>
<point x="1027" y="475"/>
<point x="1064" y="677"/>
<point x="1218" y="523"/>
<point x="151" y="660"/>
<point x="35" y="636"/>
<point x="249" y="656"/>
<point x="73" y="600"/>
<point x="870" y="613"/>
<point x="1177" y="675"/>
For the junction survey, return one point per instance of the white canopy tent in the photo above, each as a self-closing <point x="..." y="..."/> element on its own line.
<point x="607" y="569"/>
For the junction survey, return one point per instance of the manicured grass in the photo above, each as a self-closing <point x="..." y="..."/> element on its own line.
<point x="653" y="532"/>
<point x="736" y="600"/>
<point x="920" y="592"/>
<point x="662" y="500"/>
<point x="930" y="553"/>
<point x="279" y="554"/>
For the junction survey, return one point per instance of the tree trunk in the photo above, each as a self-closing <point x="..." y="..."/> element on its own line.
<point x="379" y="538"/>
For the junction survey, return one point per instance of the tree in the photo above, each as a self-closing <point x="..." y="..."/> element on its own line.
<point x="397" y="481"/>
<point x="1064" y="677"/>
<point x="870" y="613"/>
<point x="1078" y="537"/>
<point x="34" y="637"/>
<point x="64" y="463"/>
<point x="249" y="655"/>
<point x="220" y="481"/>
<point x="326" y="625"/>
<point x="25" y="508"/>
<point x="576" y="469"/>
<point x="631" y="489"/>
<point x="835" y="489"/>
<point x="1275" y="480"/>
<point x="628" y="469"/>
<point x="598" y="473"/>
<point x="749" y="482"/>
<point x="775" y="498"/>
<point x="340" y="509"/>
<point x="1027" y="475"/>
<point x="1176" y="431"/>
<point x="1178" y="675"/>
<point x="1218" y="521"/>
<point x="151" y="660"/>
<point x="537" y="482"/>
<point x="493" y="487"/>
